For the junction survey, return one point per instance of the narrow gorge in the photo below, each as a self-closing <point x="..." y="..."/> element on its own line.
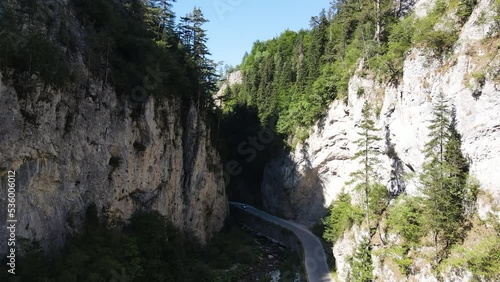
<point x="308" y="182"/>
<point x="129" y="154"/>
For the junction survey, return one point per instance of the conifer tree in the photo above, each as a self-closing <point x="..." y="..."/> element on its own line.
<point x="456" y="186"/>
<point x="193" y="35"/>
<point x="185" y="31"/>
<point x="367" y="156"/>
<point x="444" y="177"/>
<point x="194" y="38"/>
<point x="319" y="40"/>
<point x="165" y="19"/>
<point x="362" y="266"/>
<point x="435" y="169"/>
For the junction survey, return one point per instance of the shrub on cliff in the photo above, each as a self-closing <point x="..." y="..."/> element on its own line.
<point x="406" y="219"/>
<point x="342" y="215"/>
<point x="362" y="264"/>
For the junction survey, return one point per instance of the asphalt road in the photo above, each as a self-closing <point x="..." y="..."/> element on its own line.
<point x="315" y="258"/>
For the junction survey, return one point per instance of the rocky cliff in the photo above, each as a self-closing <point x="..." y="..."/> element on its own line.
<point x="71" y="149"/>
<point x="301" y="184"/>
<point x="232" y="79"/>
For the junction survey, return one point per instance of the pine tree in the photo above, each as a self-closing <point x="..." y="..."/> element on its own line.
<point x="366" y="177"/>
<point x="456" y="186"/>
<point x="160" y="21"/>
<point x="165" y="20"/>
<point x="435" y="169"/>
<point x="444" y="177"/>
<point x="194" y="38"/>
<point x="319" y="40"/>
<point x="193" y="35"/>
<point x="362" y="266"/>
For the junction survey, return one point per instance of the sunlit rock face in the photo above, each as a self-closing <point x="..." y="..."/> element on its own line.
<point x="81" y="146"/>
<point x="403" y="112"/>
<point x="402" y="115"/>
<point x="71" y="150"/>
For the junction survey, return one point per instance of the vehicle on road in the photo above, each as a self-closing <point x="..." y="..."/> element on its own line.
<point x="244" y="206"/>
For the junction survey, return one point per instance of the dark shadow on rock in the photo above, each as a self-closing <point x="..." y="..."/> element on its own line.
<point x="263" y="174"/>
<point x="246" y="147"/>
<point x="397" y="184"/>
<point x="291" y="194"/>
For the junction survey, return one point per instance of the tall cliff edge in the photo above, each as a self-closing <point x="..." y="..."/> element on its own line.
<point x="86" y="143"/>
<point x="303" y="183"/>
<point x="74" y="151"/>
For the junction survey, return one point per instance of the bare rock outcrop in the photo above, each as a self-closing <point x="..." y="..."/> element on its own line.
<point x="71" y="149"/>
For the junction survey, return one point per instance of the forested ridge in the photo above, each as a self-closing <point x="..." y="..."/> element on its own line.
<point x="119" y="44"/>
<point x="293" y="77"/>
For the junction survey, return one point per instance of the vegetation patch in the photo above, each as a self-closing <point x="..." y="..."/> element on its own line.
<point x="427" y="228"/>
<point x="362" y="265"/>
<point x="291" y="78"/>
<point x="149" y="248"/>
<point x="405" y="219"/>
<point x="133" y="46"/>
<point x="342" y="215"/>
<point x="479" y="254"/>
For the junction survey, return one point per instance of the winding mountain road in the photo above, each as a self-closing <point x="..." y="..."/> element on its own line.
<point x="315" y="258"/>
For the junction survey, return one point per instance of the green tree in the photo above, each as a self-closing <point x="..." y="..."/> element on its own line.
<point x="161" y="20"/>
<point x="362" y="266"/>
<point x="434" y="176"/>
<point x="341" y="217"/>
<point x="193" y="35"/>
<point x="444" y="178"/>
<point x="194" y="38"/>
<point x="456" y="185"/>
<point x="319" y="40"/>
<point x="367" y="155"/>
<point x="406" y="218"/>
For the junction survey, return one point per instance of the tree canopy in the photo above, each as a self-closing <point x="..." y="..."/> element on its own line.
<point x="123" y="44"/>
<point x="293" y="77"/>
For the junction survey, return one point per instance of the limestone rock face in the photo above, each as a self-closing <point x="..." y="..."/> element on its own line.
<point x="469" y="79"/>
<point x="232" y="79"/>
<point x="403" y="113"/>
<point x="71" y="149"/>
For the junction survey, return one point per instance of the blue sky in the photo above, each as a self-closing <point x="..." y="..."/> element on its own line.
<point x="235" y="24"/>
